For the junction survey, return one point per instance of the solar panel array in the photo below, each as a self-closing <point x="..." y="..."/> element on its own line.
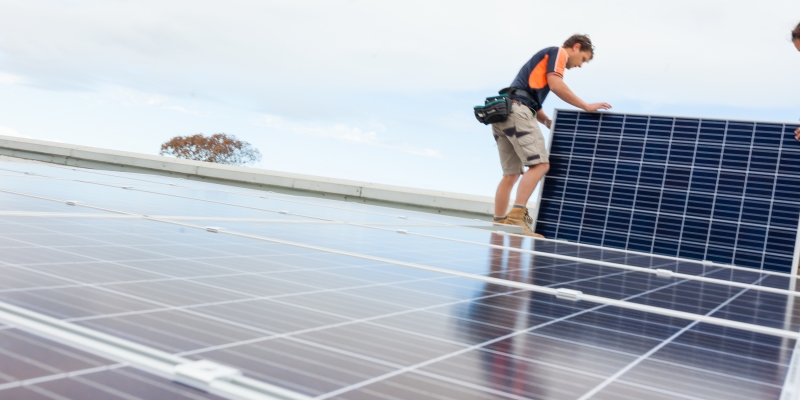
<point x="723" y="191"/>
<point x="334" y="300"/>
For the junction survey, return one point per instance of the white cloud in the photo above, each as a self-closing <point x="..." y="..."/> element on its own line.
<point x="181" y="109"/>
<point x="133" y="97"/>
<point x="670" y="51"/>
<point x="10" y="79"/>
<point x="343" y="133"/>
<point x="6" y="131"/>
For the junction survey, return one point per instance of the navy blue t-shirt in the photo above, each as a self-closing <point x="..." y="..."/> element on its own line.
<point x="533" y="75"/>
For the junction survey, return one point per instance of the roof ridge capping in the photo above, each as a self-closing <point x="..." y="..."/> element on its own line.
<point x="100" y="158"/>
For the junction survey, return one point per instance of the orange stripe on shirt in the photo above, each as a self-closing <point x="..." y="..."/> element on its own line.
<point x="561" y="62"/>
<point x="538" y="77"/>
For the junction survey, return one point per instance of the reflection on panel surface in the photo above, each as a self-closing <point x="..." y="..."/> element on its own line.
<point x="334" y="325"/>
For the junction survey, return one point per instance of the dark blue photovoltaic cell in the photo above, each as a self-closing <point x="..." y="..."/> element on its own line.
<point x="724" y="191"/>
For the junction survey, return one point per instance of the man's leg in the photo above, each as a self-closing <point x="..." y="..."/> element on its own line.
<point x="503" y="194"/>
<point x="519" y="214"/>
<point x="528" y="183"/>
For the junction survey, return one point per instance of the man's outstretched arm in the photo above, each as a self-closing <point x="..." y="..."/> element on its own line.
<point x="563" y="91"/>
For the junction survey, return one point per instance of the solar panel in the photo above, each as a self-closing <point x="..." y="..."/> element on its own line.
<point x="705" y="189"/>
<point x="126" y="293"/>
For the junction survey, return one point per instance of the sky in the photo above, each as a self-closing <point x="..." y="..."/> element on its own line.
<point x="374" y="91"/>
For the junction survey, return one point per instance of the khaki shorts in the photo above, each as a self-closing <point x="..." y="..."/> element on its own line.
<point x="519" y="141"/>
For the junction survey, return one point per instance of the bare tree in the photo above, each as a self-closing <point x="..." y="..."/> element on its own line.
<point x="217" y="148"/>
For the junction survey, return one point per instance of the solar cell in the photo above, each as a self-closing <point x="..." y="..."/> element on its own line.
<point x="336" y="310"/>
<point x="716" y="190"/>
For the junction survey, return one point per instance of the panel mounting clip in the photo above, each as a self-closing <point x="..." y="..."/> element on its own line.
<point x="568" y="294"/>
<point x="403" y="231"/>
<point x="72" y="203"/>
<point x="283" y="212"/>
<point x="200" y="374"/>
<point x="664" y="273"/>
<point x="214" y="229"/>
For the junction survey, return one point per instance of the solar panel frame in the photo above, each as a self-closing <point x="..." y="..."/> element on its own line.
<point x="632" y="131"/>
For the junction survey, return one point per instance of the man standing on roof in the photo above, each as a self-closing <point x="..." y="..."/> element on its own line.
<point x="519" y="139"/>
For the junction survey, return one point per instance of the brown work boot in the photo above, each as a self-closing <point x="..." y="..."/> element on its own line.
<point x="520" y="217"/>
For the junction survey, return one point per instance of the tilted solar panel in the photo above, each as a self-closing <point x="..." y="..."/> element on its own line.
<point x="706" y="189"/>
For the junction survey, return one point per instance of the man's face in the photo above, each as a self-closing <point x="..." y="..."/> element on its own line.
<point x="577" y="58"/>
<point x="796" y="44"/>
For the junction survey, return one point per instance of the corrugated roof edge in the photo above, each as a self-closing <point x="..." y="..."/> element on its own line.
<point x="456" y="204"/>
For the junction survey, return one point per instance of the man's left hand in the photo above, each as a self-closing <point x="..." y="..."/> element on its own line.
<point x="797" y="133"/>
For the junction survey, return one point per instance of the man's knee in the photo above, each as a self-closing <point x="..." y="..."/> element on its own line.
<point x="511" y="178"/>
<point x="543" y="167"/>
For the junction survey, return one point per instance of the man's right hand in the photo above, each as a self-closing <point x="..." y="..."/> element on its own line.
<point x="797" y="133"/>
<point x="598" y="106"/>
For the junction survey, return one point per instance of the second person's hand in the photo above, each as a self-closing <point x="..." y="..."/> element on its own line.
<point x="597" y="106"/>
<point x="797" y="133"/>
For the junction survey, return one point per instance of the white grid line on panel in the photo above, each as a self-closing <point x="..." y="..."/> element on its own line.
<point x="772" y="200"/>
<point x="716" y="189"/>
<point x="416" y="368"/>
<point x="701" y="167"/>
<point x="193" y="280"/>
<point x="690" y="117"/>
<point x="615" y="265"/>
<point x="664" y="257"/>
<point x="535" y="288"/>
<point x="663" y="185"/>
<point x="270" y="196"/>
<point x="613" y="180"/>
<point x="579" y="260"/>
<point x="689" y="189"/>
<point x="638" y="180"/>
<point x="678" y="215"/>
<point x="281" y="335"/>
<point x="566" y="178"/>
<point x="725" y="145"/>
<point x="741" y="203"/>
<point x="392" y="283"/>
<point x="563" y="201"/>
<point x="589" y="176"/>
<point x="63" y="375"/>
<point x="661" y="345"/>
<point x="373" y="227"/>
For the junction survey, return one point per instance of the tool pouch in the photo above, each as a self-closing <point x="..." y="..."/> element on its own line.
<point x="495" y="109"/>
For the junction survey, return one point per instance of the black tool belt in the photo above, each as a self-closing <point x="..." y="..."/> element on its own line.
<point x="524" y="97"/>
<point x="497" y="108"/>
